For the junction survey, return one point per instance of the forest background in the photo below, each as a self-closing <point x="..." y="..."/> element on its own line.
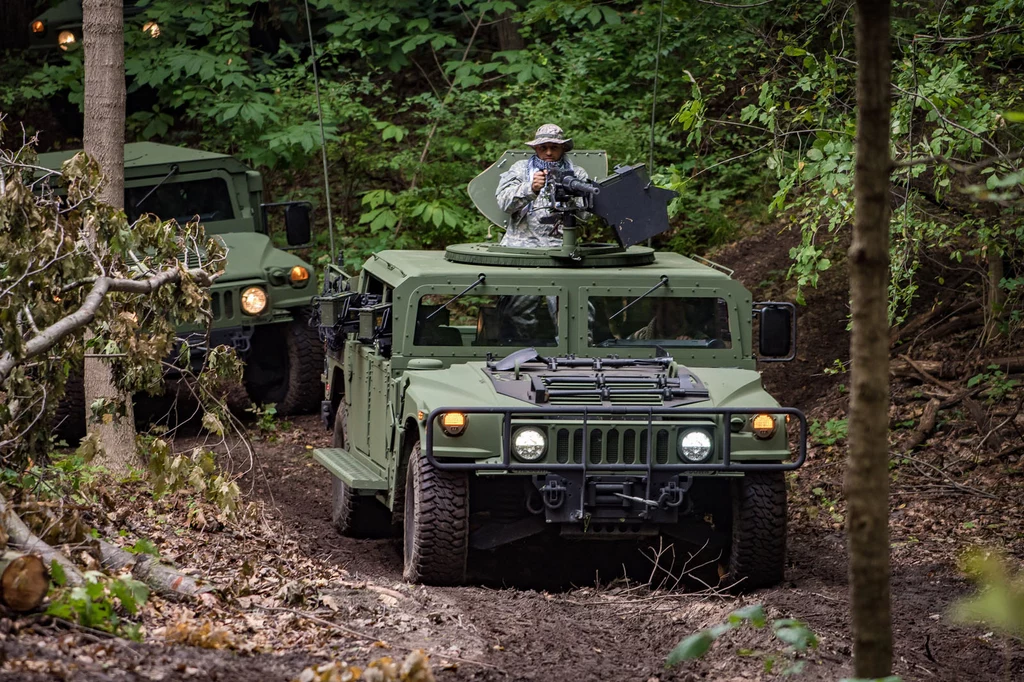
<point x="753" y="113"/>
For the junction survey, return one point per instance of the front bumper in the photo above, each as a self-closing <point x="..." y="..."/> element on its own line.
<point x="652" y="488"/>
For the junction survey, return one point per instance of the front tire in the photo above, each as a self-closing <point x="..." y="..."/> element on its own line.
<point x="758" y="555"/>
<point x="356" y="516"/>
<point x="284" y="366"/>
<point x="436" y="536"/>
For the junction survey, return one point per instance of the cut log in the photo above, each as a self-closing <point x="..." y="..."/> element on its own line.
<point x="956" y="324"/>
<point x="904" y="367"/>
<point x="23" y="581"/>
<point x="1008" y="365"/>
<point x="925" y="426"/>
<point x="163" y="580"/>
<point x="23" y="538"/>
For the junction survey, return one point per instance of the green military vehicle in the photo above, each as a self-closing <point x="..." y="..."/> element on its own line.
<point x="628" y="405"/>
<point x="261" y="303"/>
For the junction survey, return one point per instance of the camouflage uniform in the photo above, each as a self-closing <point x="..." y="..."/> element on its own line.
<point x="516" y="197"/>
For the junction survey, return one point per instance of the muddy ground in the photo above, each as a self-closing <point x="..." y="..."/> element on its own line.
<point x="297" y="594"/>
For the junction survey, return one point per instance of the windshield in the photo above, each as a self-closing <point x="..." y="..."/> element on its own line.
<point x="489" y="320"/>
<point x="183" y="201"/>
<point x="670" y="322"/>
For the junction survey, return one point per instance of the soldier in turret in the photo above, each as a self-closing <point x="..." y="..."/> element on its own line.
<point x="525" y="193"/>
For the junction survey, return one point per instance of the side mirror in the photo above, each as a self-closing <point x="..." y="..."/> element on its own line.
<point x="297" y="224"/>
<point x="777" y="337"/>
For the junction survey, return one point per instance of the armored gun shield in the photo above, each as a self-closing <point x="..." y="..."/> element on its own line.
<point x="635" y="208"/>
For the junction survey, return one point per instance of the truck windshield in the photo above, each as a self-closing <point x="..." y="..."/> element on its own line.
<point x="183" y="201"/>
<point x="488" y="320"/>
<point x="670" y="322"/>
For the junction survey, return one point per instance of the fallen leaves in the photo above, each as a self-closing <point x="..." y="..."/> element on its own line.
<point x="415" y="668"/>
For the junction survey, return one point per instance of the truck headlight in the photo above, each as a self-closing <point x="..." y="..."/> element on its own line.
<point x="254" y="300"/>
<point x="66" y="39"/>
<point x="152" y="28"/>
<point x="695" y="445"/>
<point x="528" y="444"/>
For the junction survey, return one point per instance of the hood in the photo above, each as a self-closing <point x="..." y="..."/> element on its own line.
<point x="251" y="254"/>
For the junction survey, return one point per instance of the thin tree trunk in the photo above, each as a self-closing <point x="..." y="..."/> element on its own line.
<point x="103" y="40"/>
<point x="867" y="475"/>
<point x="509" y="37"/>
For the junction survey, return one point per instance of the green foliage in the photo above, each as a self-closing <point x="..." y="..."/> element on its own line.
<point x="997" y="385"/>
<point x="99" y="603"/>
<point x="267" y="421"/>
<point x="796" y="637"/>
<point x="828" y="433"/>
<point x="195" y="471"/>
<point x="999" y="602"/>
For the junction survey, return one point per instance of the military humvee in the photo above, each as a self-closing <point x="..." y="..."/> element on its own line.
<point x="628" y="405"/>
<point x="261" y="304"/>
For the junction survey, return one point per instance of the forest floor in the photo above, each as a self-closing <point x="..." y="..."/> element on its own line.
<point x="297" y="594"/>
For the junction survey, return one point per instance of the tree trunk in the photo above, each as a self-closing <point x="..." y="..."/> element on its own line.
<point x="509" y="37"/>
<point x="23" y="581"/>
<point x="164" y="580"/>
<point x="103" y="40"/>
<point x="867" y="475"/>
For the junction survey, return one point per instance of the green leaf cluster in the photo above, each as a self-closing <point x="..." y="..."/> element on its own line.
<point x="100" y="603"/>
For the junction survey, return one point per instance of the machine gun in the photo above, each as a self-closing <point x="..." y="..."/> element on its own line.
<point x="565" y="189"/>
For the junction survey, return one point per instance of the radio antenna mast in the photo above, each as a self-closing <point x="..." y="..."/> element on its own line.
<point x="654" y="102"/>
<point x="323" y="137"/>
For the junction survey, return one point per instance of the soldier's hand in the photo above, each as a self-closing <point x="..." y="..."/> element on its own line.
<point x="538" y="180"/>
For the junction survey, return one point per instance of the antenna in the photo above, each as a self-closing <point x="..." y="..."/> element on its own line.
<point x="654" y="102"/>
<point x="323" y="137"/>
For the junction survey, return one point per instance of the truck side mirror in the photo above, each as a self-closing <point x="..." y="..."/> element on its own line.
<point x="777" y="337"/>
<point x="296" y="224"/>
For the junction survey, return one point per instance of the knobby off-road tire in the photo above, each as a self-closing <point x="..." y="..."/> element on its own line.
<point x="69" y="417"/>
<point x="284" y="365"/>
<point x="356" y="516"/>
<point x="758" y="555"/>
<point x="436" y="535"/>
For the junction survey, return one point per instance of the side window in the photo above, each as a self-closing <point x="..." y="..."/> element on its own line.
<point x="517" y="321"/>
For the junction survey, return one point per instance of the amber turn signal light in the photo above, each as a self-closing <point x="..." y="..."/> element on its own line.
<point x="38" y="27"/>
<point x="764" y="426"/>
<point x="298" y="274"/>
<point x="453" y="423"/>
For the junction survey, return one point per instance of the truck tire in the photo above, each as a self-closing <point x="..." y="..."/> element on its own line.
<point x="284" y="366"/>
<point x="356" y="516"/>
<point x="758" y="555"/>
<point x="69" y="417"/>
<point x="436" y="534"/>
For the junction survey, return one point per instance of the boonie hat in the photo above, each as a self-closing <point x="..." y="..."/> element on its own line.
<point x="549" y="133"/>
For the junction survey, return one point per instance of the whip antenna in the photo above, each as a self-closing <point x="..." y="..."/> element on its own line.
<point x="654" y="103"/>
<point x="323" y="137"/>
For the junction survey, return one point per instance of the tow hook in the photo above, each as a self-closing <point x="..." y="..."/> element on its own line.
<point x="553" y="492"/>
<point x="671" y="495"/>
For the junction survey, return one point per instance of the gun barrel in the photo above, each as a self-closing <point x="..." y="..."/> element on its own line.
<point x="580" y="187"/>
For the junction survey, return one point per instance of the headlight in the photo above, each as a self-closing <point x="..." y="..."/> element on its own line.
<point x="453" y="423"/>
<point x="529" y="444"/>
<point x="695" y="445"/>
<point x="763" y="426"/>
<point x="298" y="275"/>
<point x="152" y="28"/>
<point x="254" y="300"/>
<point x="38" y="27"/>
<point x="66" y="39"/>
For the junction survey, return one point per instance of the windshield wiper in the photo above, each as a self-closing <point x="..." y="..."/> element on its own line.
<point x="174" y="169"/>
<point x="663" y="282"/>
<point x="480" y="280"/>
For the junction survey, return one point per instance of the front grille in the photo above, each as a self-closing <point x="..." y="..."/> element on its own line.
<point x="611" y="445"/>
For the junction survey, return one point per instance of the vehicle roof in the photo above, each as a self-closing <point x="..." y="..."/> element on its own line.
<point x="395" y="267"/>
<point x="153" y="158"/>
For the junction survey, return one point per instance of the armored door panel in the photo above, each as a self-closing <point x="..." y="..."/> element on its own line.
<point x="358" y="396"/>
<point x="378" y="415"/>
